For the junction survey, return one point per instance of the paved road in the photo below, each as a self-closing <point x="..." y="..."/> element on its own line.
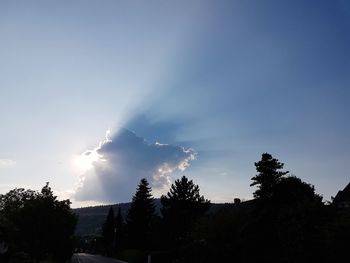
<point x="88" y="258"/>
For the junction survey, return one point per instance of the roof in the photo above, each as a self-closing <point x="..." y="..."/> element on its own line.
<point x="343" y="196"/>
<point x="347" y="188"/>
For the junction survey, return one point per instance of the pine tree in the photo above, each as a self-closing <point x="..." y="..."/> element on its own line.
<point x="108" y="228"/>
<point x="140" y="215"/>
<point x="119" y="221"/>
<point x="269" y="175"/>
<point x="182" y="205"/>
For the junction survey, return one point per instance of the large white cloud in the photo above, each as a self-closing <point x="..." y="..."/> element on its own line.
<point x="120" y="162"/>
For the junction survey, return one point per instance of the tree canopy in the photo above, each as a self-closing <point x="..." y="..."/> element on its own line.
<point x="286" y="222"/>
<point x="292" y="190"/>
<point x="269" y="174"/>
<point x="37" y="223"/>
<point x="183" y="195"/>
<point x="182" y="205"/>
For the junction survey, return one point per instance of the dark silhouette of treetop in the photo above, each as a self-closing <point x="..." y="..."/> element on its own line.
<point x="46" y="192"/>
<point x="37" y="223"/>
<point x="292" y="190"/>
<point x="183" y="191"/>
<point x="142" y="206"/>
<point x="140" y="214"/>
<point x="181" y="206"/>
<point x="269" y="174"/>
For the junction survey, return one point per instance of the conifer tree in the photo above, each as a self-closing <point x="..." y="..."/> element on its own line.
<point x="108" y="228"/>
<point x="269" y="175"/>
<point x="119" y="221"/>
<point x="140" y="215"/>
<point x="182" y="205"/>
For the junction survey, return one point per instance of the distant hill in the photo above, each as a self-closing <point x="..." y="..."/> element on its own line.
<point x="90" y="219"/>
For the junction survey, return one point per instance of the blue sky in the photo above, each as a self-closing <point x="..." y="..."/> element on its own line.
<point x="227" y="80"/>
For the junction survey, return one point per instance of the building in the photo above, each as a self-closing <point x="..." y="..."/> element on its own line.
<point x="342" y="199"/>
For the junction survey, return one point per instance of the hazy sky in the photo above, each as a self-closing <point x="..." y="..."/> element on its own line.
<point x="201" y="88"/>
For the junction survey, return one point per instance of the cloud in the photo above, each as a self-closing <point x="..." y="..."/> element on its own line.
<point x="123" y="160"/>
<point x="7" y="163"/>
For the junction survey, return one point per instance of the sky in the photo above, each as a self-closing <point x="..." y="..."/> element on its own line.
<point x="95" y="95"/>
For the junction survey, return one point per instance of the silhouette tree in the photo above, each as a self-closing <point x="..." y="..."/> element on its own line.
<point x="182" y="205"/>
<point x="140" y="215"/>
<point x="269" y="174"/>
<point x="292" y="190"/>
<point x="39" y="224"/>
<point x="119" y="221"/>
<point x="11" y="205"/>
<point x="108" y="230"/>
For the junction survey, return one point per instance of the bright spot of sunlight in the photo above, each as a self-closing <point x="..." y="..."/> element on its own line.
<point x="84" y="161"/>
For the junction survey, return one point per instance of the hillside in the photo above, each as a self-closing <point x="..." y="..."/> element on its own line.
<point x="90" y="219"/>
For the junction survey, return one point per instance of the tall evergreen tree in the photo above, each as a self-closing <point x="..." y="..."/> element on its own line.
<point x="182" y="205"/>
<point x="139" y="217"/>
<point x="119" y="221"/>
<point x="269" y="175"/>
<point x="108" y="229"/>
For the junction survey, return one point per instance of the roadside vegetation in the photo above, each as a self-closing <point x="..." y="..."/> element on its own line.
<point x="35" y="227"/>
<point x="287" y="221"/>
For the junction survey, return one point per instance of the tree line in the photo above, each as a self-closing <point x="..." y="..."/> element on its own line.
<point x="143" y="230"/>
<point x="287" y="221"/>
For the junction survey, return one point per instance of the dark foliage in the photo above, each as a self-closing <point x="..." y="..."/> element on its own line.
<point x="182" y="205"/>
<point x="120" y="233"/>
<point x="286" y="222"/>
<point x="140" y="216"/>
<point x="292" y="190"/>
<point x="269" y="174"/>
<point x="109" y="231"/>
<point x="91" y="218"/>
<point x="37" y="223"/>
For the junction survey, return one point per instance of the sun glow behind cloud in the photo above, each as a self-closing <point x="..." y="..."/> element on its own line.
<point x="111" y="171"/>
<point x="204" y="70"/>
<point x="85" y="161"/>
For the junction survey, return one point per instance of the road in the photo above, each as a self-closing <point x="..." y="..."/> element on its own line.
<point x="88" y="258"/>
